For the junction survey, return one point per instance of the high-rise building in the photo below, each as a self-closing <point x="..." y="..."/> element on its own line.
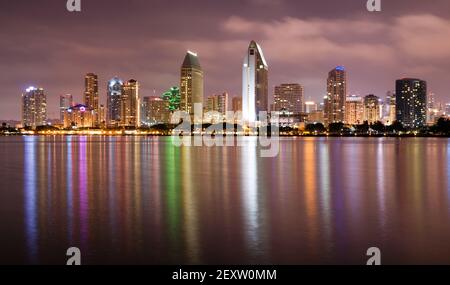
<point x="372" y="110"/>
<point x="336" y="95"/>
<point x="79" y="116"/>
<point x="431" y="100"/>
<point x="91" y="97"/>
<point x="389" y="109"/>
<point x="102" y="116"/>
<point x="411" y="102"/>
<point x="236" y="103"/>
<point x="114" y="97"/>
<point x="130" y="106"/>
<point x="316" y="117"/>
<point x="218" y="103"/>
<point x="155" y="110"/>
<point x="354" y="110"/>
<point x="65" y="102"/>
<point x="310" y="106"/>
<point x="255" y="92"/>
<point x="34" y="107"/>
<point x="191" y="83"/>
<point x="447" y="109"/>
<point x="432" y="112"/>
<point x="288" y="97"/>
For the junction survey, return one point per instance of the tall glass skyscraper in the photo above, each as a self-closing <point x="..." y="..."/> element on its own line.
<point x="34" y="107"/>
<point x="191" y="83"/>
<point x="336" y="95"/>
<point x="114" y="96"/>
<point x="91" y="98"/>
<point x="411" y="102"/>
<point x="255" y="90"/>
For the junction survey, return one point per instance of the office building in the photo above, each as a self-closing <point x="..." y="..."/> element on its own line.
<point x="34" y="108"/>
<point x="288" y="97"/>
<point x="411" y="102"/>
<point x="191" y="83"/>
<point x="336" y="95"/>
<point x="354" y="110"/>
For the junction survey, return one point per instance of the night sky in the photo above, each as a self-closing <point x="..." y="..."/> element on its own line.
<point x="42" y="44"/>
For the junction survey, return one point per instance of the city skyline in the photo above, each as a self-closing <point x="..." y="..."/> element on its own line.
<point x="382" y="49"/>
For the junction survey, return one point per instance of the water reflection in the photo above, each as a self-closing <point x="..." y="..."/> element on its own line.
<point x="30" y="196"/>
<point x="143" y="200"/>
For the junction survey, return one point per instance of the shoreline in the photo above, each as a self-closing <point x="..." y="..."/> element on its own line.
<point x="281" y="136"/>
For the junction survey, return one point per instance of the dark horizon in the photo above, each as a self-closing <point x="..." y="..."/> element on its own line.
<point x="47" y="46"/>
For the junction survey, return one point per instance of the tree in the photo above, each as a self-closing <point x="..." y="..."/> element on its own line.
<point x="378" y="126"/>
<point x="442" y="126"/>
<point x="317" y="127"/>
<point x="336" y="127"/>
<point x="173" y="97"/>
<point x="396" y="127"/>
<point x="363" y="129"/>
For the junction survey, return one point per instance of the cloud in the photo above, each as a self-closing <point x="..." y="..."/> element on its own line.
<point x="424" y="37"/>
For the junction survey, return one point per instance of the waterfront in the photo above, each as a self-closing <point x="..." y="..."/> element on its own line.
<point x="141" y="200"/>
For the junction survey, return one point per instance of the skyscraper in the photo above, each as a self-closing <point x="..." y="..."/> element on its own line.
<point x="218" y="103"/>
<point x="191" y="83"/>
<point x="372" y="110"/>
<point x="390" y="113"/>
<point x="336" y="94"/>
<point x="34" y="107"/>
<point x="411" y="102"/>
<point x="130" y="106"/>
<point x="79" y="116"/>
<point x="155" y="110"/>
<point x="65" y="102"/>
<point x="91" y="96"/>
<point x="289" y="97"/>
<point x="115" y="90"/>
<point x="236" y="104"/>
<point x="354" y="110"/>
<point x="310" y="106"/>
<point x="255" y="92"/>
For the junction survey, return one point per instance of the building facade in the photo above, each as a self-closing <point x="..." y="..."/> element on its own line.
<point x="336" y="95"/>
<point x="411" y="102"/>
<point x="34" y="108"/>
<point x="288" y="97"/>
<point x="129" y="104"/>
<point x="255" y="92"/>
<point x="372" y="109"/>
<point x="65" y="102"/>
<point x="155" y="110"/>
<point x="310" y="106"/>
<point x="236" y="104"/>
<point x="389" y="109"/>
<point x="79" y="116"/>
<point x="354" y="110"/>
<point x="218" y="103"/>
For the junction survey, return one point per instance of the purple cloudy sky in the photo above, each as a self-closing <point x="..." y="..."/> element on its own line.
<point x="43" y="44"/>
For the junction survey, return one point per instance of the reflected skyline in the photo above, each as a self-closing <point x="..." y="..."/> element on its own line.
<point x="138" y="200"/>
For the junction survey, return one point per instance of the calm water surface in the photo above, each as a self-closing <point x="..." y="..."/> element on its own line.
<point x="131" y="200"/>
